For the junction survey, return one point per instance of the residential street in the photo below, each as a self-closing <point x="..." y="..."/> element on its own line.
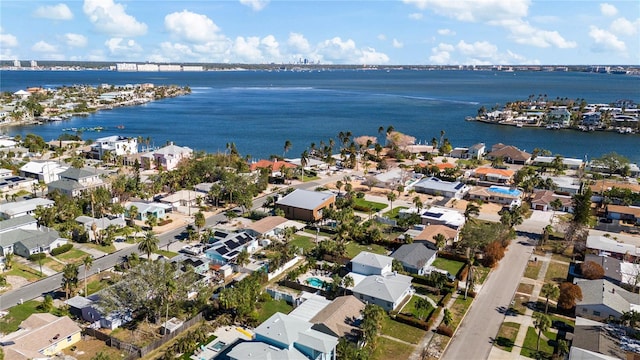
<point x="474" y="337"/>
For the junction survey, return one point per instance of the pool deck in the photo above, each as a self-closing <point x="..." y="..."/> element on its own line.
<point x="318" y="274"/>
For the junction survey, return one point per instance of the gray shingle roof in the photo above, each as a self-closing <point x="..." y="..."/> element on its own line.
<point x="388" y="288"/>
<point x="373" y="260"/>
<point x="596" y="292"/>
<point x="305" y="199"/>
<point x="413" y="255"/>
<point x="16" y="222"/>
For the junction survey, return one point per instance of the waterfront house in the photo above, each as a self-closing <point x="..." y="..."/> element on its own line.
<point x="568" y="163"/>
<point x="74" y="182"/>
<point x="276" y="166"/>
<point x="509" y="154"/>
<point x="45" y="171"/>
<point x="559" y="115"/>
<point x="493" y="176"/>
<point x="286" y="337"/>
<point x="416" y="258"/>
<point x="40" y="336"/>
<point x="497" y="194"/>
<point x="114" y="145"/>
<point x="305" y="205"/>
<point x="600" y="186"/>
<point x="566" y="185"/>
<point x="591" y="119"/>
<point x="167" y="157"/>
<point x="438" y="187"/>
<point x="602" y="300"/>
<point x="25" y="207"/>
<point x="542" y="200"/>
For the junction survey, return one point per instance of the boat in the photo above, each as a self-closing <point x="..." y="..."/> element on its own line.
<point x="120" y="126"/>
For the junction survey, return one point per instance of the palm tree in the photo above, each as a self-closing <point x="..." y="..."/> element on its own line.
<point x="417" y="203"/>
<point x="339" y="185"/>
<point x="549" y="290"/>
<point x="149" y="243"/>
<point x="133" y="213"/>
<point x="440" y="240"/>
<point x="472" y="209"/>
<point x="347" y="282"/>
<point x="304" y="161"/>
<point x="243" y="257"/>
<point x="199" y="220"/>
<point x="152" y="220"/>
<point x="287" y="147"/>
<point x="542" y="322"/>
<point x="87" y="262"/>
<point x="391" y="196"/>
<point x="70" y="279"/>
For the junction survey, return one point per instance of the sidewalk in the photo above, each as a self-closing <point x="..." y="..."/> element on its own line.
<point x="417" y="352"/>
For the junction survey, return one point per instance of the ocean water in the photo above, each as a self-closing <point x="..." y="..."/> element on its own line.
<point x="260" y="110"/>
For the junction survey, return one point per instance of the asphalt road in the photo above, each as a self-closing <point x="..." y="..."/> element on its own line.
<point x="52" y="283"/>
<point x="474" y="337"/>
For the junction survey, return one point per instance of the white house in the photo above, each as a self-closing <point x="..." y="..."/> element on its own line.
<point x="435" y="186"/>
<point x="437" y="216"/>
<point x="602" y="300"/>
<point x="24" y="207"/>
<point x="45" y="171"/>
<point x="367" y="263"/>
<point x="167" y="157"/>
<point x="115" y="145"/>
<point x="75" y="181"/>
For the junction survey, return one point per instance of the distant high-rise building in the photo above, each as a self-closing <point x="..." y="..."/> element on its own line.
<point x="16" y="63"/>
<point x="34" y="64"/>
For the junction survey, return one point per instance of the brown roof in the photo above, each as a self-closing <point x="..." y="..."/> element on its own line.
<point x="432" y="230"/>
<point x="545" y="197"/>
<point x="266" y="224"/>
<point x="335" y="315"/>
<point x="510" y="152"/>
<point x="604" y="185"/>
<point x="487" y="170"/>
<point x="39" y="331"/>
<point x="628" y="210"/>
<point x="275" y="165"/>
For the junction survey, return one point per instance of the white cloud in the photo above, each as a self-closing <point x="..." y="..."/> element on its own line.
<point x="397" y="44"/>
<point x="123" y="48"/>
<point x="298" y="43"/>
<point x="382" y="37"/>
<point x="476" y="10"/>
<point x="416" y="16"/>
<point x="441" y="54"/>
<point x="623" y="26"/>
<point x="482" y="49"/>
<point x="54" y="12"/>
<point x="255" y="5"/>
<point x="477" y="53"/>
<point x="112" y="19"/>
<point x="523" y="33"/>
<point x="44" y="47"/>
<point x="246" y="49"/>
<point x="446" y="32"/>
<point x="605" y="41"/>
<point x="75" y="40"/>
<point x="271" y="48"/>
<point x="608" y="10"/>
<point x="191" y="27"/>
<point x="371" y="56"/>
<point x="7" y="40"/>
<point x="336" y="50"/>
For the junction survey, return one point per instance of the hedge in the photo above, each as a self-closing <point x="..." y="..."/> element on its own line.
<point x="462" y="274"/>
<point x="433" y="317"/>
<point x="452" y="256"/>
<point x="410" y="320"/>
<point x="36" y="257"/>
<point x="444" y="330"/>
<point x="445" y="299"/>
<point x="61" y="249"/>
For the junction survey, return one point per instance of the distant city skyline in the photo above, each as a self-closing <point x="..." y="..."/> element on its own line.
<point x="419" y="32"/>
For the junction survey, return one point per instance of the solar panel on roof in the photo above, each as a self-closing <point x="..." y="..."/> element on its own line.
<point x="222" y="250"/>
<point x="232" y="244"/>
<point x="459" y="186"/>
<point x="219" y="234"/>
<point x="433" y="215"/>
<point x="233" y="253"/>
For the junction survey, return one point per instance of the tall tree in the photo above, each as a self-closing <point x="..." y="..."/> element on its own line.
<point x="199" y="220"/>
<point x="391" y="196"/>
<point x="287" y="147"/>
<point x="549" y="290"/>
<point x="472" y="209"/>
<point x="582" y="207"/>
<point x="87" y="261"/>
<point x="70" y="279"/>
<point x="541" y="322"/>
<point x="149" y="243"/>
<point x="569" y="295"/>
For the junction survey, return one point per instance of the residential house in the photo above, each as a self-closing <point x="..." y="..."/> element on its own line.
<point x="624" y="213"/>
<point x="474" y="152"/>
<point x="591" y="118"/>
<point x="427" y="235"/>
<point x="374" y="281"/>
<point x="115" y="146"/>
<point x="566" y="185"/>
<point x="309" y="305"/>
<point x="12" y="183"/>
<point x="40" y="336"/>
<point x="606" y="246"/>
<point x="305" y="205"/>
<point x="593" y="340"/>
<point x="183" y="199"/>
<point x="497" y="194"/>
<point x="542" y="200"/>
<point x="617" y="271"/>
<point x="74" y="182"/>
<point x="30" y="242"/>
<point x="21" y="208"/>
<point x="437" y="216"/>
<point x="87" y="309"/>
<point x="559" y="115"/>
<point x="438" y="187"/>
<point x="225" y="249"/>
<point x="45" y="171"/>
<point x="271" y="226"/>
<point x="600" y="186"/>
<point x="167" y="157"/>
<point x="9" y="228"/>
<point x="101" y="224"/>
<point x="509" y="154"/>
<point x="493" y="176"/>
<point x="276" y="166"/>
<point x="286" y="337"/>
<point x="415" y="258"/>
<point x="568" y="163"/>
<point x="602" y="300"/>
<point x="340" y="318"/>
<point x="145" y="209"/>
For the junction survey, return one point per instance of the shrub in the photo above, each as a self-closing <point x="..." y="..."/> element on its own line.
<point x="36" y="257"/>
<point x="445" y="299"/>
<point x="61" y="249"/>
<point x="462" y="274"/>
<point x="410" y="320"/>
<point x="433" y="317"/>
<point x="444" y="330"/>
<point x="591" y="270"/>
<point x="360" y="195"/>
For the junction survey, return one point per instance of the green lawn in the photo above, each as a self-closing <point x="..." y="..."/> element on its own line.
<point x="16" y="315"/>
<point x="372" y="205"/>
<point x="353" y="249"/>
<point x="507" y="336"/>
<point x="72" y="256"/>
<point x="266" y="309"/>
<point x="459" y="308"/>
<point x="393" y="214"/>
<point x="304" y="242"/>
<point x="106" y="249"/>
<point x="24" y="271"/>
<point x="51" y="264"/>
<point x="557" y="272"/>
<point x="322" y="233"/>
<point x="402" y="331"/>
<point x="165" y="253"/>
<point x="451" y="266"/>
<point x="390" y="349"/>
<point x="410" y="308"/>
<point x="530" y="341"/>
<point x="533" y="269"/>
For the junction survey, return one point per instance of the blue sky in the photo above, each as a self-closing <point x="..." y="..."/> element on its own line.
<point x="421" y="32"/>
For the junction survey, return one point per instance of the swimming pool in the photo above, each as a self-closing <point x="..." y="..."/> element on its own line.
<point x="218" y="346"/>
<point x="315" y="282"/>
<point x="505" y="191"/>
